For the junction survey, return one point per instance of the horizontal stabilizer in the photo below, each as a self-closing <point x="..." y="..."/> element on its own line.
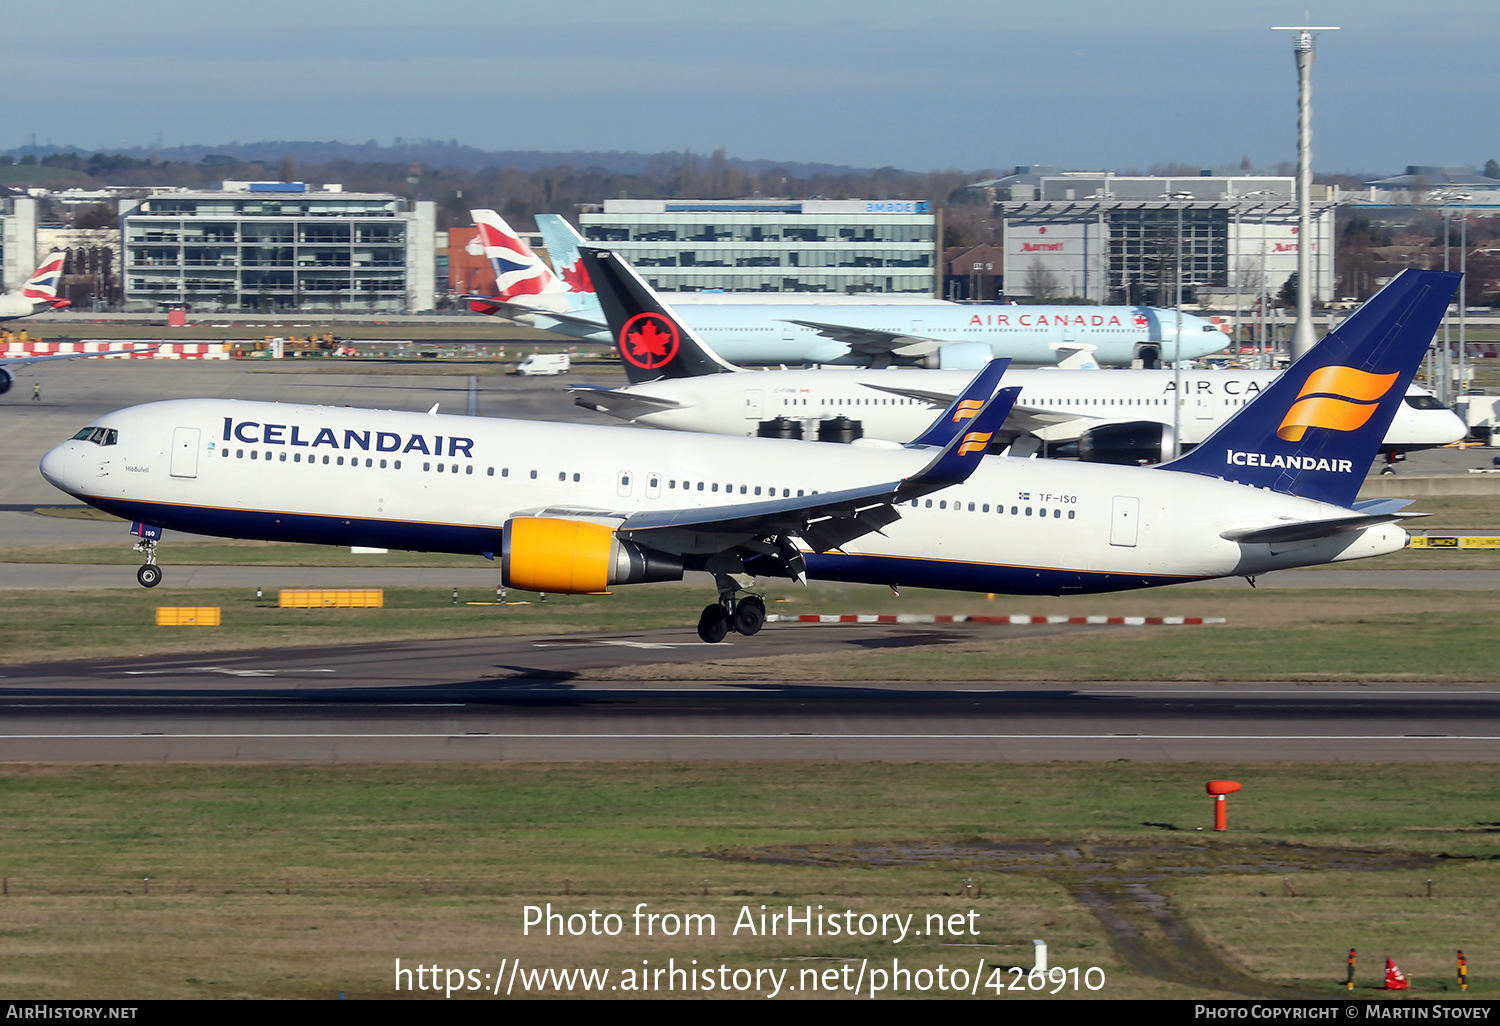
<point x="1307" y="530"/>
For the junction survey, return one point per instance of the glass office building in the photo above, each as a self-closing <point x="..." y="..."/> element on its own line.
<point x="272" y="246"/>
<point x="838" y="247"/>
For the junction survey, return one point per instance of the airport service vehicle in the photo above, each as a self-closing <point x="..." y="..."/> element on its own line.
<point x="544" y="365"/>
<point x="577" y="508"/>
<point x="945" y="335"/>
<point x="39" y="292"/>
<point x="1104" y="416"/>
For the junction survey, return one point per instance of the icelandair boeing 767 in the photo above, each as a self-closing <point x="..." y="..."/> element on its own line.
<point x="574" y="508"/>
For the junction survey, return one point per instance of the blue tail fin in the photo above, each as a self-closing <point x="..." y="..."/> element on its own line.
<point x="1315" y="430"/>
<point x="941" y="431"/>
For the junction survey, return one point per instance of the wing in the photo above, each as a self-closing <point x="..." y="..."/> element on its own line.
<point x="823" y="520"/>
<point x="873" y="341"/>
<point x="1023" y="418"/>
<point x="22" y="361"/>
<point x="491" y="305"/>
<point x="617" y="402"/>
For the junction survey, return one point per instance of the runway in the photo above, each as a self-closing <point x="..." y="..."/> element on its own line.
<point x="521" y="699"/>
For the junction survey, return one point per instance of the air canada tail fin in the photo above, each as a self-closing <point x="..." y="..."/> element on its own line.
<point x="652" y="340"/>
<point x="964" y="406"/>
<point x="1315" y="430"/>
<point x="562" y="241"/>
<point x="520" y="275"/>
<point x="41" y="287"/>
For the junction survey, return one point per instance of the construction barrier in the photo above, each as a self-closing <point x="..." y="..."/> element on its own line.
<point x="1126" y="621"/>
<point x="342" y="598"/>
<point x="1455" y="541"/>
<point x="187" y="616"/>
<point x="118" y="350"/>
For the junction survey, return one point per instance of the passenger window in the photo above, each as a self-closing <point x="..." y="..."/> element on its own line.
<point x="943" y="504"/>
<point x="397" y="465"/>
<point x="253" y="454"/>
<point x="757" y="489"/>
<point x="428" y="466"/>
<point x="283" y="458"/>
<point x="325" y="461"/>
<point x="225" y="452"/>
<point x="929" y="503"/>
<point x="562" y="475"/>
<point x="468" y="468"/>
<point x="340" y="462"/>
<point x="1014" y="510"/>
<point x="715" y="487"/>
<point x="370" y="463"/>
<point x="382" y="464"/>
<point x="296" y="457"/>
<point x="533" y="475"/>
<point x="1028" y="511"/>
<point x="492" y="472"/>
<point x="971" y="507"/>
<point x="700" y="486"/>
<point x="575" y="478"/>
<point x="1056" y="513"/>
<point x="1070" y="513"/>
<point x="986" y="508"/>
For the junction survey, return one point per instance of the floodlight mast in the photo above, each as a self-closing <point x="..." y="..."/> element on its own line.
<point x="1303" y="336"/>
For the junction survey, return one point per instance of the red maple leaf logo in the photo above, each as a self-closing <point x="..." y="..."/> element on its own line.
<point x="647" y="345"/>
<point x="576" y="277"/>
<point x="1140" y="321"/>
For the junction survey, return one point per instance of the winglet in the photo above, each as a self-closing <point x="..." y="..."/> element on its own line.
<point x="964" y="406"/>
<point x="964" y="451"/>
<point x="653" y="342"/>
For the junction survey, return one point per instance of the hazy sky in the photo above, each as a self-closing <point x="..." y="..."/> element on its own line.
<point x="944" y="83"/>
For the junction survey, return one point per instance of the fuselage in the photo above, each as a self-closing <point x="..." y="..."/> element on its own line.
<point x="756" y="334"/>
<point x="343" y="476"/>
<point x="14" y="305"/>
<point x="736" y="404"/>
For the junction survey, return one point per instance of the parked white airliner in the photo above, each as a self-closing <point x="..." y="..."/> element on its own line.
<point x="576" y="508"/>
<point x="873" y="334"/>
<point x="1123" y="416"/>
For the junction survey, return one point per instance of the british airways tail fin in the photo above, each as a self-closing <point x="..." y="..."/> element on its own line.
<point x="1316" y="429"/>
<point x="562" y="241"/>
<point x="520" y="275"/>
<point x="41" y="287"/>
<point x="652" y="340"/>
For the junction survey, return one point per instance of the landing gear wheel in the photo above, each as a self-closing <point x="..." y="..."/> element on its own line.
<point x="149" y="575"/>
<point x="749" y="615"/>
<point x="713" y="625"/>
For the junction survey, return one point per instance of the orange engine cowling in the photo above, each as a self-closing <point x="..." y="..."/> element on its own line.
<point x="577" y="557"/>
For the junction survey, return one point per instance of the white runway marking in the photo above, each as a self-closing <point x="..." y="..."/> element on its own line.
<point x="225" y="670"/>
<point x="800" y="736"/>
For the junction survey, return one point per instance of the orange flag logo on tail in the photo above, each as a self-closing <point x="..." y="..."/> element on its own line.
<point x="975" y="441"/>
<point x="1336" y="398"/>
<point x="967" y="409"/>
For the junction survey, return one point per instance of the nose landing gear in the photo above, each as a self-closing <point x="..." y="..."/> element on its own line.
<point x="744" y="615"/>
<point x="149" y="575"/>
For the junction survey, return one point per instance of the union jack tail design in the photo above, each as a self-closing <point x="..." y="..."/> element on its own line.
<point x="41" y="287"/>
<point x="521" y="275"/>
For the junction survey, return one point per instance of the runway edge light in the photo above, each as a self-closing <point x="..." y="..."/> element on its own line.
<point x="1218" y="789"/>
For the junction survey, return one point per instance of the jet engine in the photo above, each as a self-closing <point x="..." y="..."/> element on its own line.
<point x="960" y="356"/>
<point x="575" y="557"/>
<point x="6" y="380"/>
<point x="1131" y="443"/>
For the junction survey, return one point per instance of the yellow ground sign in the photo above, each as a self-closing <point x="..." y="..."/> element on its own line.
<point x="187" y="616"/>
<point x="1456" y="541"/>
<point x="341" y="598"/>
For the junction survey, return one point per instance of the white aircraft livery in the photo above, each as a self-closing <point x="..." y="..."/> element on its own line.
<point x="1106" y="416"/>
<point x="874" y="334"/>
<point x="578" y="508"/>
<point x="38" y="293"/>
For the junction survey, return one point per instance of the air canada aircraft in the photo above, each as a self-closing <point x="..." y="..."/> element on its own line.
<point x="579" y="508"/>
<point x="39" y="293"/>
<point x="875" y="334"/>
<point x="1104" y="416"/>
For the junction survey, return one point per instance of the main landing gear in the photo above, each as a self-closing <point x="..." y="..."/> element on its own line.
<point x="743" y="615"/>
<point x="149" y="575"/>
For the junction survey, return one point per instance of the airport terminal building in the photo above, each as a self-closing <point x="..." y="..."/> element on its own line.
<point x="17" y="240"/>
<point x="840" y="247"/>
<point x="270" y="246"/>
<point x="1114" y="239"/>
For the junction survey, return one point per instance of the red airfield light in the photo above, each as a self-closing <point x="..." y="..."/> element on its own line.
<point x="1218" y="789"/>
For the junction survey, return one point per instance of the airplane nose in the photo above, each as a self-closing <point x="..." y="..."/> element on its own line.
<point x="55" y="466"/>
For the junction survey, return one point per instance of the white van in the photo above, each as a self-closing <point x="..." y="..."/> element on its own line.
<point x="539" y="364"/>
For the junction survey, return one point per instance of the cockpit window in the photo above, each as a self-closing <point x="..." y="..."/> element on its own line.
<point x="1424" y="402"/>
<point x="98" y="435"/>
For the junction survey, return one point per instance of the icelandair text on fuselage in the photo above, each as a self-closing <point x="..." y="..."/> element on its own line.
<point x="806" y="921"/>
<point x="1260" y="459"/>
<point x="252" y="432"/>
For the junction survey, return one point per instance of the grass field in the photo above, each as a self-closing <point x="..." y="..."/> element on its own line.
<point x="309" y="881"/>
